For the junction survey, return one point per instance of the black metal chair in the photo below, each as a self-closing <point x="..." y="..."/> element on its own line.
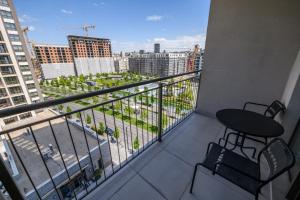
<point x="244" y="172"/>
<point x="271" y="111"/>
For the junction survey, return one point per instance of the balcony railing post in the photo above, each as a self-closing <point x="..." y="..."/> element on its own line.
<point x="160" y="117"/>
<point x="9" y="183"/>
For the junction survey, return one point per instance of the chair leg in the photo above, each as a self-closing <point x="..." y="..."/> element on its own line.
<point x="194" y="175"/>
<point x="224" y="136"/>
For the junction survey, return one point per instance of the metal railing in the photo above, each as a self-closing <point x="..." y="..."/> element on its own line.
<point x="68" y="154"/>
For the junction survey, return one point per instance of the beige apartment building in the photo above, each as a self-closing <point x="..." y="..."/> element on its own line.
<point x="18" y="85"/>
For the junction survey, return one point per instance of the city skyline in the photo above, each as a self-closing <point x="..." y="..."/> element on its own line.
<point x="131" y="26"/>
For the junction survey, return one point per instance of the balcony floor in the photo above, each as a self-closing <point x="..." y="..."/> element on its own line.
<point x="165" y="170"/>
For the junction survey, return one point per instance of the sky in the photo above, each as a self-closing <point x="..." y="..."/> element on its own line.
<point x="131" y="25"/>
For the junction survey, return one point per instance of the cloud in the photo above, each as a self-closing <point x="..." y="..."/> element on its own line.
<point x="68" y="12"/>
<point x="97" y="4"/>
<point x="31" y="28"/>
<point x="154" y="18"/>
<point x="180" y="43"/>
<point x="26" y="18"/>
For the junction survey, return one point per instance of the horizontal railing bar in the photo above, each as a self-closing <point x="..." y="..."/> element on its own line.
<point x="44" y="104"/>
<point x="85" y="108"/>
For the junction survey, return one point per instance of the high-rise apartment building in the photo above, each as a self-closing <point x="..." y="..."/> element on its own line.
<point x="91" y="55"/>
<point x="89" y="47"/>
<point x="157" y="48"/>
<point x="158" y="64"/>
<point x="54" y="60"/>
<point x="53" y="53"/>
<point x="18" y="85"/>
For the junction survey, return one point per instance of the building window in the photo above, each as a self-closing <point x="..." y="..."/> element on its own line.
<point x="3" y="92"/>
<point x="5" y="59"/>
<point x="6" y="14"/>
<point x="14" y="38"/>
<point x="31" y="86"/>
<point x="3" y="2"/>
<point x="1" y="37"/>
<point x="33" y="94"/>
<point x="17" y="48"/>
<point x="24" y="68"/>
<point x="21" y="58"/>
<point x="4" y="103"/>
<point x="10" y="120"/>
<point x="5" y="70"/>
<point x="28" y="77"/>
<point x="19" y="99"/>
<point x="25" y="115"/>
<point x="10" y="26"/>
<point x="11" y="80"/>
<point x="3" y="48"/>
<point x="15" y="90"/>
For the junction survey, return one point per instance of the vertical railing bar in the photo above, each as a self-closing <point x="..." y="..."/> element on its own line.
<point x="75" y="151"/>
<point x="160" y="117"/>
<point x="141" y="102"/>
<point x="156" y="116"/>
<point x="129" y="111"/>
<point x="136" y="124"/>
<point x="112" y="163"/>
<point x="152" y="105"/>
<point x="48" y="171"/>
<point x="147" y="101"/>
<point x="124" y="134"/>
<point x="99" y="145"/>
<point x="86" y="141"/>
<point x="23" y="165"/>
<point x="173" y="104"/>
<point x="113" y="109"/>
<point x="60" y="154"/>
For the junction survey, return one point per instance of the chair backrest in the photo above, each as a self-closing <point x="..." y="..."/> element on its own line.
<point x="273" y="109"/>
<point x="279" y="157"/>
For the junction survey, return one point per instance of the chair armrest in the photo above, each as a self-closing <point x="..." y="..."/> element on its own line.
<point x="235" y="169"/>
<point x="253" y="103"/>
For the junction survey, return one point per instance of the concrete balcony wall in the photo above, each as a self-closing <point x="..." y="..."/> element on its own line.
<point x="251" y="47"/>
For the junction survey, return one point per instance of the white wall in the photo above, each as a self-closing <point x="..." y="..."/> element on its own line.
<point x="250" y="49"/>
<point x="54" y="70"/>
<point x="86" y="66"/>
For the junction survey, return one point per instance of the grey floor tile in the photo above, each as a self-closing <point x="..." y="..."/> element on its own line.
<point x="208" y="187"/>
<point x="137" y="189"/>
<point x="167" y="174"/>
<point x="111" y="186"/>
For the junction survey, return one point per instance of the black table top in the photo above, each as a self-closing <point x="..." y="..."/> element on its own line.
<point x="250" y="123"/>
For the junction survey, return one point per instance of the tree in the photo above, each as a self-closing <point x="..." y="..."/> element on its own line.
<point x="136" y="90"/>
<point x="95" y="100"/>
<point x="118" y="105"/>
<point x="152" y="99"/>
<point x="81" y="78"/>
<point x="117" y="133"/>
<point x="101" y="129"/>
<point x="88" y="119"/>
<point x="78" y="115"/>
<point x="60" y="107"/>
<point x="136" y="143"/>
<point x="105" y="97"/>
<point x="68" y="111"/>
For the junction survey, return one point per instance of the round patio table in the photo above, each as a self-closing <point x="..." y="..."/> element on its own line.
<point x="248" y="123"/>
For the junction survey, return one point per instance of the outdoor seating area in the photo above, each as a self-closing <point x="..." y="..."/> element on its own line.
<point x="165" y="170"/>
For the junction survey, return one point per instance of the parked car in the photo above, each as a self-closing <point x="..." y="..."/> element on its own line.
<point x="109" y="131"/>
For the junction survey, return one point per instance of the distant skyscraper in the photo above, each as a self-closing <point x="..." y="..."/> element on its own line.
<point x="142" y="51"/>
<point x="18" y="85"/>
<point x="157" y="48"/>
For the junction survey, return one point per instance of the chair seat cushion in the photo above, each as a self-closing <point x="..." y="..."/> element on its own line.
<point x="218" y="153"/>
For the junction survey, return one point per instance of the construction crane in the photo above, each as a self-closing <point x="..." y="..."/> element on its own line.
<point x="84" y="27"/>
